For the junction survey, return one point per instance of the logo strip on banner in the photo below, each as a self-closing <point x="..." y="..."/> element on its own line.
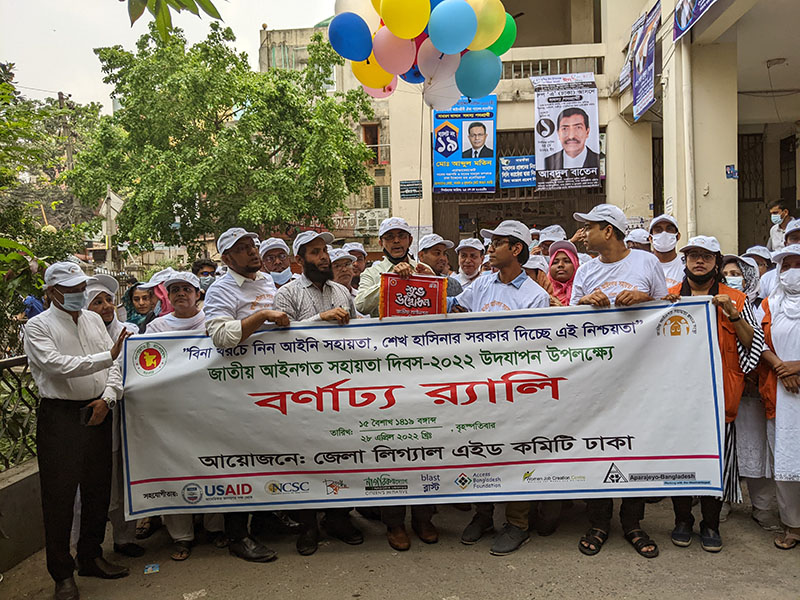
<point x="644" y="68"/>
<point x="317" y="415"/>
<point x="567" y="132"/>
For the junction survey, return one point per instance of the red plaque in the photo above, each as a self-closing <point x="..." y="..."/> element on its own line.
<point x="412" y="297"/>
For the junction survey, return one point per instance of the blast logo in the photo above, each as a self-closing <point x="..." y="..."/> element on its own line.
<point x="287" y="487"/>
<point x="192" y="493"/>
<point x="334" y="486"/>
<point x="149" y="358"/>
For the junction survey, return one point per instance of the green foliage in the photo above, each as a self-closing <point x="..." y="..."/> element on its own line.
<point x="160" y="9"/>
<point x="204" y="142"/>
<point x="20" y="275"/>
<point x="163" y="264"/>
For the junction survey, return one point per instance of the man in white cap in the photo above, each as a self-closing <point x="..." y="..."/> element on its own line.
<point x="72" y="360"/>
<point x="342" y="264"/>
<point x="664" y="236"/>
<point x="276" y="261"/>
<point x="638" y="239"/>
<point x="236" y="306"/>
<point x="509" y="288"/>
<point x="781" y="218"/>
<point x="791" y="236"/>
<point x="433" y="252"/>
<point x="396" y="237"/>
<point x="358" y="252"/>
<point x="548" y="235"/>
<point x="470" y="258"/>
<point x="763" y="258"/>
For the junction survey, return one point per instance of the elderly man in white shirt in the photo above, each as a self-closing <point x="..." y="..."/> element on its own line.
<point x="470" y="258"/>
<point x="72" y="360"/>
<point x="358" y="252"/>
<point x="236" y="306"/>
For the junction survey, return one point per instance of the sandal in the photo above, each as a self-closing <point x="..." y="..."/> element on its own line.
<point x="594" y="537"/>
<point x="147" y="527"/>
<point x="181" y="551"/>
<point x="640" y="540"/>
<point x="788" y="539"/>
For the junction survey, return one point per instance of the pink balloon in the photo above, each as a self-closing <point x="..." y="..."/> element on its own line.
<point x="395" y="55"/>
<point x="382" y="92"/>
<point x="433" y="64"/>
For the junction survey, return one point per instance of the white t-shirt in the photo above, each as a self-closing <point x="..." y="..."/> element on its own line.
<point x="465" y="281"/>
<point x="673" y="271"/>
<point x="639" y="271"/>
<point x="172" y="323"/>
<point x="768" y="281"/>
<point x="489" y="294"/>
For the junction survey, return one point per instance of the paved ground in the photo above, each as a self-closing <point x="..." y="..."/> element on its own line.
<point x="548" y="567"/>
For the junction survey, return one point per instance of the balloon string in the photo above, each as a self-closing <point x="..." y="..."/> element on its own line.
<point x="441" y="56"/>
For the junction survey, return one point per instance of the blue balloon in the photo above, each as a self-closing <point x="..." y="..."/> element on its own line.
<point x="350" y="36"/>
<point x="413" y="75"/>
<point x="452" y="26"/>
<point x="434" y="4"/>
<point x="479" y="73"/>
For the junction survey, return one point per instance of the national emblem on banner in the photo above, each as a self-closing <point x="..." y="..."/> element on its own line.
<point x="149" y="358"/>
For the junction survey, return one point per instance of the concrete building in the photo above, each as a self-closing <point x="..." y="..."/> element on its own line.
<point x="728" y="93"/>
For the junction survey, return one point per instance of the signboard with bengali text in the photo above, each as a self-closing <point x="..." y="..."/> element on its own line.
<point x="413" y="296"/>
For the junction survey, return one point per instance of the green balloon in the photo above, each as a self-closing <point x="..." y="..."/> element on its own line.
<point x="506" y="39"/>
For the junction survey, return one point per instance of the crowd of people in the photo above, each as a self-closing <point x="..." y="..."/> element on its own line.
<point x="74" y="347"/>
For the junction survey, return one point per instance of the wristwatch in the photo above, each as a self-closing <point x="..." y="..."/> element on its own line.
<point x="110" y="403"/>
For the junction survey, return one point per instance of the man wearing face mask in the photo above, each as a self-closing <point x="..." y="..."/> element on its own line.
<point x="277" y="261"/>
<point x="790" y="236"/>
<point x="205" y="269"/>
<point x="664" y="236"/>
<point x="72" y="360"/>
<point x="780" y="217"/>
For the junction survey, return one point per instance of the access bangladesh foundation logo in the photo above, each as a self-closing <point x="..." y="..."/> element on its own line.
<point x="149" y="358"/>
<point x="676" y="323"/>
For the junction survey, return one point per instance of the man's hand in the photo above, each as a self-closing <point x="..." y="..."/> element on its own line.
<point x="280" y="318"/>
<point x="787" y="368"/>
<point x="403" y="269"/>
<point x="631" y="297"/>
<point x="672" y="298"/>
<point x="457" y="308"/>
<point x="536" y="251"/>
<point x="726" y="304"/>
<point x="99" y="411"/>
<point x="339" y="315"/>
<point x="791" y="383"/>
<point x="117" y="347"/>
<point x="555" y="301"/>
<point x="579" y="237"/>
<point x="596" y="298"/>
<point x="423" y="269"/>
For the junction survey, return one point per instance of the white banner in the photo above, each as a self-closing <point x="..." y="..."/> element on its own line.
<point x="555" y="403"/>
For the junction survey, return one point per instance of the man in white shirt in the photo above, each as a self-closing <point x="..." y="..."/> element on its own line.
<point x="433" y="252"/>
<point x="470" y="257"/>
<point x="664" y="235"/>
<point x="781" y="217"/>
<point x="358" y="252"/>
<point x="790" y="236"/>
<point x="638" y="239"/>
<point x="236" y="306"/>
<point x="547" y="237"/>
<point x="276" y="261"/>
<point x="72" y="360"/>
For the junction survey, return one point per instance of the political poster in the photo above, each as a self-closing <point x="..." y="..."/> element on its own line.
<point x="517" y="171"/>
<point x="687" y="13"/>
<point x="567" y="128"/>
<point x="464" y="147"/>
<point x="636" y="33"/>
<point x="644" y="68"/>
<point x="413" y="296"/>
<point x="553" y="403"/>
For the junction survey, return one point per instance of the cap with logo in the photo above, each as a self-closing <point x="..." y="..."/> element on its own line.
<point x="182" y="277"/>
<point x="473" y="243"/>
<point x="552" y="233"/>
<point x="228" y="239"/>
<point x="354" y="247"/>
<point x="703" y="242"/>
<point x="664" y="219"/>
<point x="339" y="254"/>
<point x="511" y="229"/>
<point x="604" y="212"/>
<point x="432" y="239"/>
<point x="760" y="251"/>
<point x="394" y="223"/>
<point x="638" y="236"/>
<point x="306" y="237"/>
<point x="272" y="243"/>
<point x="66" y="274"/>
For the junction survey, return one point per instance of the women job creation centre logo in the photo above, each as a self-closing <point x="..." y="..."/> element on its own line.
<point x="149" y="358"/>
<point x="676" y="323"/>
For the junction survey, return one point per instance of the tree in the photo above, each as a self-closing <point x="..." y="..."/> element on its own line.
<point x="202" y="143"/>
<point x="160" y="9"/>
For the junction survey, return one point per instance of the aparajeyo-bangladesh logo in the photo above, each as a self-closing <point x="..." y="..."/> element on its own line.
<point x="149" y="358"/>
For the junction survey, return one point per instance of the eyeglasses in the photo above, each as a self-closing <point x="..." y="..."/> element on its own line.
<point x="704" y="256"/>
<point x="276" y="258"/>
<point x="497" y="243"/>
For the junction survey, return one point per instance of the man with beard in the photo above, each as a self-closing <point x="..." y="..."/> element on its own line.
<point x="358" y="252"/>
<point x="433" y="252"/>
<point x="316" y="297"/>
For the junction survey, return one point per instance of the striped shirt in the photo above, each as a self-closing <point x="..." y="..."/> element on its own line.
<point x="303" y="301"/>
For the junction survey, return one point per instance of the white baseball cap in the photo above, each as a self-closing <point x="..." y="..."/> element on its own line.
<point x="354" y="247"/>
<point x="535" y="231"/>
<point x="703" y="242"/>
<point x="430" y="240"/>
<point x="65" y="273"/>
<point x="667" y="218"/>
<point x="604" y="212"/>
<point x="760" y="251"/>
<point x="563" y="245"/>
<point x="182" y="277"/>
<point x="794" y="225"/>
<point x="537" y="261"/>
<point x="790" y="250"/>
<point x="102" y="283"/>
<point x="510" y="228"/>
<point x="339" y="254"/>
<point x="227" y="240"/>
<point x="473" y="243"/>
<point x="159" y="277"/>
<point x="639" y="236"/>
<point x="552" y="233"/>
<point x="394" y="223"/>
<point x="305" y="237"/>
<point x="272" y="244"/>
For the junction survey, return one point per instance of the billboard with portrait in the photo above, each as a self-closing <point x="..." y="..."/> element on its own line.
<point x="644" y="68"/>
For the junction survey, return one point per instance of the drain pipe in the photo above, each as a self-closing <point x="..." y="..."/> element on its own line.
<point x="688" y="137"/>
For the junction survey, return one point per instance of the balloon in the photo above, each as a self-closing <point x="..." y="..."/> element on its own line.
<point x="491" y="22"/>
<point x="434" y="4"/>
<point x="413" y="75"/>
<point x="350" y="36"/>
<point x="452" y="26"/>
<point x="384" y="92"/>
<point x="433" y="64"/>
<point x="442" y="93"/>
<point x="406" y="18"/>
<point x="363" y="8"/>
<point x="479" y="73"/>
<point x="419" y="39"/>
<point x="371" y="74"/>
<point x="377" y="5"/>
<point x="506" y="39"/>
<point x="393" y="54"/>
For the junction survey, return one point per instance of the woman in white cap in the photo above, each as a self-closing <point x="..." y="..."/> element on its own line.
<point x="780" y="387"/>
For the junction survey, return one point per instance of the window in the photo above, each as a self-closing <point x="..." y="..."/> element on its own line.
<point x="788" y="152"/>
<point x="372" y="139"/>
<point x="381" y="196"/>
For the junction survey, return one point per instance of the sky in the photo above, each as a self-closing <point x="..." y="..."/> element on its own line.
<point x="51" y="41"/>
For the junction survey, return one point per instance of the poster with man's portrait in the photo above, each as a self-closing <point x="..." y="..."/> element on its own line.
<point x="644" y="68"/>
<point x="477" y="139"/>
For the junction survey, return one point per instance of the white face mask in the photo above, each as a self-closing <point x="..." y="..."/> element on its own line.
<point x="790" y="280"/>
<point x="736" y="283"/>
<point x="281" y="277"/>
<point x="75" y="301"/>
<point x="776" y="219"/>
<point x="665" y="241"/>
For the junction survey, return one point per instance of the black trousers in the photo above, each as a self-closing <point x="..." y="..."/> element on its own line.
<point x="307" y="517"/>
<point x="72" y="455"/>
<point x="710" y="508"/>
<point x="395" y="516"/>
<point x="236" y="525"/>
<point x="631" y="511"/>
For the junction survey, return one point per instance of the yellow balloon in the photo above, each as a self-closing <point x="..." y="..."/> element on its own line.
<point x="371" y="74"/>
<point x="408" y="18"/>
<point x="491" y="22"/>
<point x="377" y="5"/>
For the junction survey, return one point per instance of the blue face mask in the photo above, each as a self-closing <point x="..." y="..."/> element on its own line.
<point x="206" y="281"/>
<point x="75" y="301"/>
<point x="281" y="277"/>
<point x="736" y="283"/>
<point x="776" y="219"/>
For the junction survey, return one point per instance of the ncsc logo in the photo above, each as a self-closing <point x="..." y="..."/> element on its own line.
<point x="287" y="487"/>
